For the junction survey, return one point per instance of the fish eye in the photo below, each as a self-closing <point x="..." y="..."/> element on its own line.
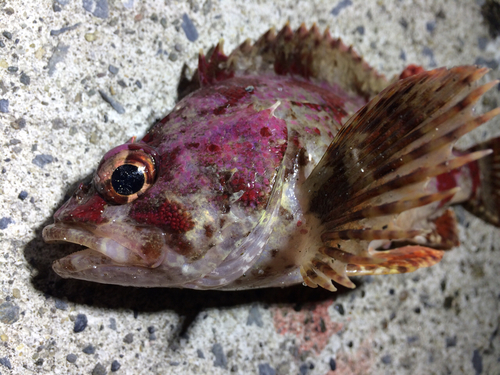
<point x="126" y="172"/>
<point x="127" y="179"/>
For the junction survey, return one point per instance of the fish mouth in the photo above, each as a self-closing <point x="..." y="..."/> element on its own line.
<point x="101" y="256"/>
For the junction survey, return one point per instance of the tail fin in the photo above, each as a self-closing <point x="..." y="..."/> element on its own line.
<point x="485" y="202"/>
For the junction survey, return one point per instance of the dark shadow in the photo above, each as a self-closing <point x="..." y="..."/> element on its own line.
<point x="187" y="85"/>
<point x="185" y="302"/>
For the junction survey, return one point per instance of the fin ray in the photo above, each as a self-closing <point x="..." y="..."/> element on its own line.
<point x="403" y="260"/>
<point x="368" y="235"/>
<point x="329" y="272"/>
<point x="419" y="175"/>
<point x="395" y="207"/>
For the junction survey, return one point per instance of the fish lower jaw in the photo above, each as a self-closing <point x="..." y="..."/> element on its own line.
<point x="90" y="265"/>
<point x="80" y="263"/>
<point x="100" y="250"/>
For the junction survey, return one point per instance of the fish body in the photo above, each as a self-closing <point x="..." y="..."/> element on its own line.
<point x="279" y="169"/>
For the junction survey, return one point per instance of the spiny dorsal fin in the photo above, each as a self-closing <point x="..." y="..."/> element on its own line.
<point x="306" y="53"/>
<point x="211" y="70"/>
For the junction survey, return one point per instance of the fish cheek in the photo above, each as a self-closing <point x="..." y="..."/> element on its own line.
<point x="152" y="245"/>
<point x="164" y="214"/>
<point x="209" y="231"/>
<point x="182" y="246"/>
<point x="168" y="216"/>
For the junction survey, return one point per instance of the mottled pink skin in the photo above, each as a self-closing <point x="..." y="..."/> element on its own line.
<point x="203" y="141"/>
<point x="225" y="127"/>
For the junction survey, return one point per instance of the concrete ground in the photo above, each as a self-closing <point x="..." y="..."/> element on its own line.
<point x="56" y="56"/>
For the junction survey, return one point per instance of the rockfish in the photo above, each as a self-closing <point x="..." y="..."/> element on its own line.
<point x="290" y="161"/>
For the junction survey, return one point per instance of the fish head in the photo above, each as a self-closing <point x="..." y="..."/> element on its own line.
<point x="169" y="209"/>
<point x="119" y="218"/>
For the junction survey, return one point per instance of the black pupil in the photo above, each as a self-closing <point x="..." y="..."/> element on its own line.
<point x="127" y="179"/>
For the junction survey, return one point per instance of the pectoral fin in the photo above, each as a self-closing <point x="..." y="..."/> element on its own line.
<point x="402" y="260"/>
<point x="375" y="175"/>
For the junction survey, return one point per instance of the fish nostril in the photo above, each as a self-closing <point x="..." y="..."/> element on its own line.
<point x="82" y="190"/>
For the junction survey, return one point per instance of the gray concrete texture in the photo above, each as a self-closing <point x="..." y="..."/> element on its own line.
<point x="55" y="59"/>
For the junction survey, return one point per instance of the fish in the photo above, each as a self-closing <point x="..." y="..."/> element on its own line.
<point x="288" y="161"/>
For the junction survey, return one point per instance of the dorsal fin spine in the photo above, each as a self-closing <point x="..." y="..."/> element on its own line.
<point x="306" y="52"/>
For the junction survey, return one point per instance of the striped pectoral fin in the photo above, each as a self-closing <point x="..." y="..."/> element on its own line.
<point x="336" y="265"/>
<point x="398" y="140"/>
<point x="332" y="264"/>
<point x="401" y="260"/>
<point x="377" y="170"/>
<point x="321" y="272"/>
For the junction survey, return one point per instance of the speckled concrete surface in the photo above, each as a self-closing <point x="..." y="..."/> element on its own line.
<point x="55" y="57"/>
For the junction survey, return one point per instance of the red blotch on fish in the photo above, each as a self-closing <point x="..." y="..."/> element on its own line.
<point x="168" y="216"/>
<point x="265" y="132"/>
<point x="411" y="70"/>
<point x="213" y="148"/>
<point x="447" y="181"/>
<point x="475" y="176"/>
<point x="312" y="131"/>
<point x="88" y="212"/>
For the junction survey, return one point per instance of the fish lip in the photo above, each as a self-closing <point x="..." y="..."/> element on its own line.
<point x="78" y="264"/>
<point x="106" y="247"/>
<point x="93" y="265"/>
<point x="90" y="265"/>
<point x="59" y="232"/>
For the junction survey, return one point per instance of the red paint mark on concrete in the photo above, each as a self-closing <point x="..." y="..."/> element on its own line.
<point x="359" y="361"/>
<point x="312" y="326"/>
